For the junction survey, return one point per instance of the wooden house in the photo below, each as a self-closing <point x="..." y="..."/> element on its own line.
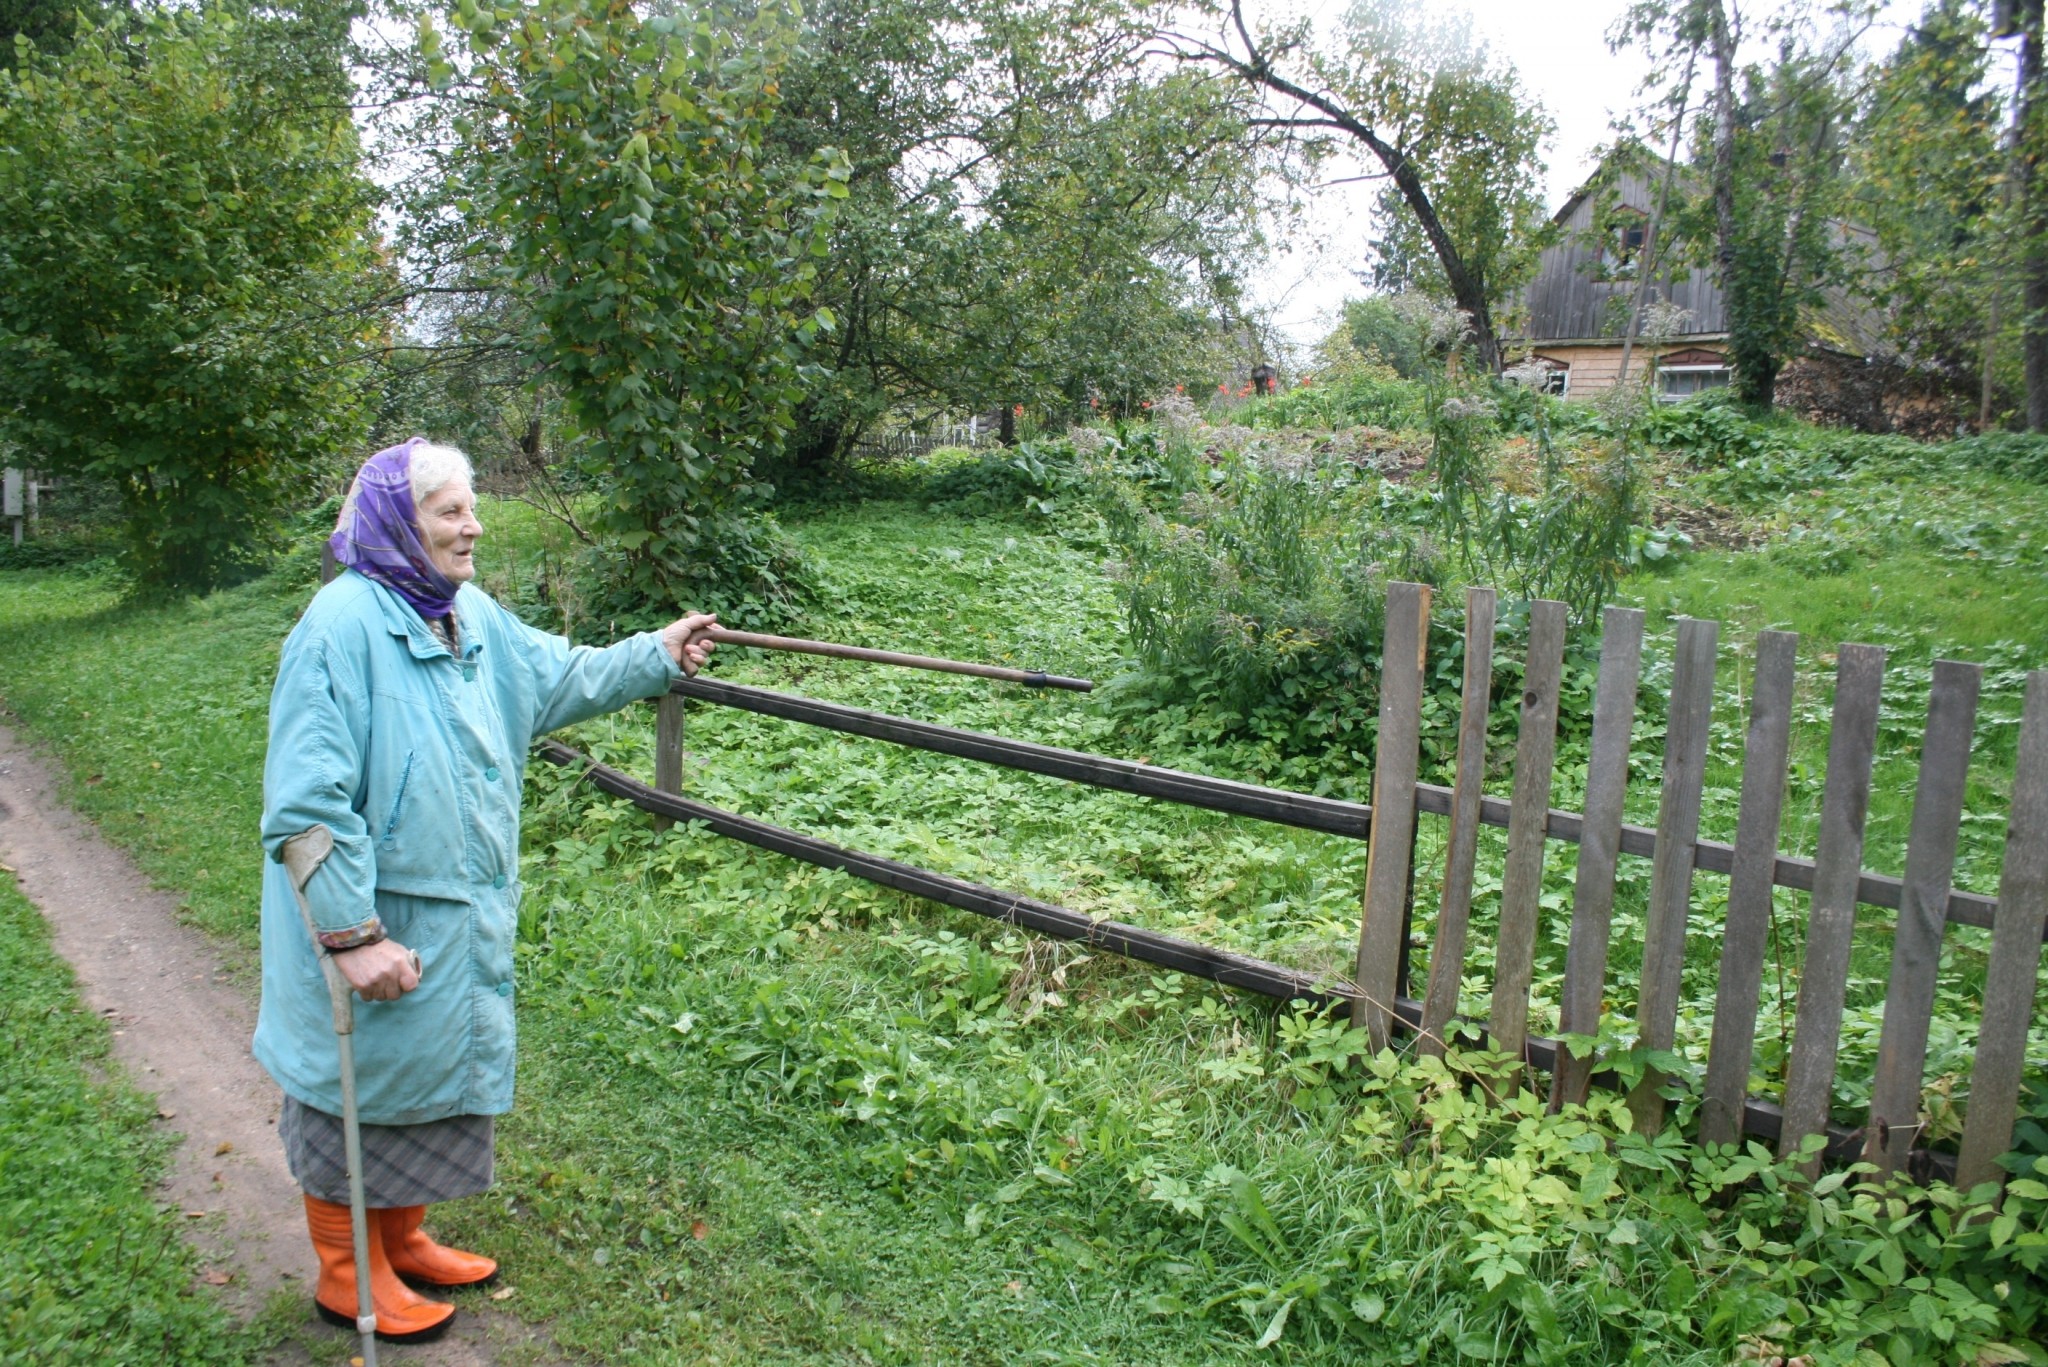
<point x="1574" y="314"/>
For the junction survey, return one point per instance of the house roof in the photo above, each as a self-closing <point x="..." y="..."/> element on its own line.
<point x="1581" y="294"/>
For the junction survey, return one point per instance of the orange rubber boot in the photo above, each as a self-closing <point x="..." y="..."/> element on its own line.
<point x="418" y="1258"/>
<point x="403" y="1315"/>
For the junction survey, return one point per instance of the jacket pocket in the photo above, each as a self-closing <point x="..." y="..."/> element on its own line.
<point x="390" y="836"/>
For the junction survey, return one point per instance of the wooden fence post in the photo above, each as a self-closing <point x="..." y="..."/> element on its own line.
<point x="1521" y="884"/>
<point x="1585" y="970"/>
<point x="1396" y="760"/>
<point x="1895" y="1093"/>
<point x="1831" y="920"/>
<point x="1678" y="830"/>
<point x="2015" y="955"/>
<point x="1461" y="847"/>
<point x="1747" y="929"/>
<point x="668" y="750"/>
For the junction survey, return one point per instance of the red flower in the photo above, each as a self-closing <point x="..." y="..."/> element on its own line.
<point x="1146" y="404"/>
<point x="1018" y="410"/>
<point x="1222" y="387"/>
<point x="1180" y="389"/>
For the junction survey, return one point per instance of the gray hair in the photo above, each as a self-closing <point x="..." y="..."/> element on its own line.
<point x="436" y="467"/>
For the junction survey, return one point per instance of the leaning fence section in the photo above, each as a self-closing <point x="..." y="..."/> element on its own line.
<point x="1378" y="994"/>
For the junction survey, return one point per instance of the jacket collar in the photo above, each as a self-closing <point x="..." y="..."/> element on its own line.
<point x="401" y="620"/>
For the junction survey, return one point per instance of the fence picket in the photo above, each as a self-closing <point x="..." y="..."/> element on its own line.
<point x="1923" y="912"/>
<point x="2015" y="954"/>
<point x="668" y="749"/>
<point x="1461" y="847"/>
<point x="1521" y="884"/>
<point x="1747" y="929"/>
<point x="1831" y="921"/>
<point x="1396" y="759"/>
<point x="1585" y="972"/>
<point x="1678" y="826"/>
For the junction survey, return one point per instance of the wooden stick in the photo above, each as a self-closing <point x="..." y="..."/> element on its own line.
<point x="1746" y="929"/>
<point x="1461" y="853"/>
<point x="1521" y="880"/>
<point x="2015" y="960"/>
<point x="1585" y="964"/>
<point x="1390" y="852"/>
<point x="1029" y="677"/>
<point x="1895" y="1094"/>
<point x="1686" y="728"/>
<point x="1831" y="918"/>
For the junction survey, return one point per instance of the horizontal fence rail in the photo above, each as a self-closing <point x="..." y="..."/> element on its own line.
<point x="1334" y="816"/>
<point x="1761" y="1119"/>
<point x="1331" y="815"/>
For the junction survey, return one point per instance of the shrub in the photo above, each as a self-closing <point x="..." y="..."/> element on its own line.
<point x="1028" y="478"/>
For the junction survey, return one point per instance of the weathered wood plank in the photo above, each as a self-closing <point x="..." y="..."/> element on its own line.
<point x="1396" y="760"/>
<point x="2015" y="954"/>
<point x="1746" y="933"/>
<point x="668" y="748"/>
<point x="1585" y="971"/>
<point x="1333" y="815"/>
<point x="1831" y="922"/>
<point x="1521" y="884"/>
<point x="1916" y="945"/>
<point x="1461" y="846"/>
<point x="1678" y="827"/>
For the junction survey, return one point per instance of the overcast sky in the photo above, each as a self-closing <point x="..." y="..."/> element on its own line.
<point x="1560" y="48"/>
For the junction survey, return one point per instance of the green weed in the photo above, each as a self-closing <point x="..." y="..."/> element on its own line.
<point x="92" y="1268"/>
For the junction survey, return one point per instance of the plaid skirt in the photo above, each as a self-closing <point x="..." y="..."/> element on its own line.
<point x="403" y="1165"/>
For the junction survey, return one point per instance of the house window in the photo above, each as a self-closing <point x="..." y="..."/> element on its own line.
<point x="1556" y="380"/>
<point x="1629" y="239"/>
<point x="1683" y="381"/>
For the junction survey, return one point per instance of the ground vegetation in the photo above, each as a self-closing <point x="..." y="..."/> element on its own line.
<point x="776" y="1114"/>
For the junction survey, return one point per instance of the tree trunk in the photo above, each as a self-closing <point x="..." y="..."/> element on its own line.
<point x="1007" y="435"/>
<point x="1756" y="370"/>
<point x="2033" y="196"/>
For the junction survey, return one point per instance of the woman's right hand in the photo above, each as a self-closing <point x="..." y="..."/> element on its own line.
<point x="381" y="972"/>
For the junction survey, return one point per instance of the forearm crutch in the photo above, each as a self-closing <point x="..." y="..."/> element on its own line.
<point x="303" y="854"/>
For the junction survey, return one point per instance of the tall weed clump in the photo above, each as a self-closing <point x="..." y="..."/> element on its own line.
<point x="1535" y="516"/>
<point x="1249" y="583"/>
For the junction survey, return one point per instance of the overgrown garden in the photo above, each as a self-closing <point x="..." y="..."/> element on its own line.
<point x="668" y="272"/>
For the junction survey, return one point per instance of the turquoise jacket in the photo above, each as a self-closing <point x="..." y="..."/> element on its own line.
<point x="413" y="758"/>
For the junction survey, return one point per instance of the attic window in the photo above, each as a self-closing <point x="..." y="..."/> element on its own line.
<point x="1627" y="233"/>
<point x="1629" y="239"/>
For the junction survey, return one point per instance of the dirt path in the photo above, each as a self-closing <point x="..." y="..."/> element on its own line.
<point x="182" y="1028"/>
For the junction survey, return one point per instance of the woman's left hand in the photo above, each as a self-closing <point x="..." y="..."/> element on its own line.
<point x="685" y="641"/>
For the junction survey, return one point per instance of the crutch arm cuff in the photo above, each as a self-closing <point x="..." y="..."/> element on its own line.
<point x="352" y="937"/>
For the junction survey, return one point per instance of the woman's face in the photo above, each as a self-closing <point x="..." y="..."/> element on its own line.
<point x="449" y="527"/>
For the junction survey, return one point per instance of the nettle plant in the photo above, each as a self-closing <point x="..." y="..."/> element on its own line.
<point x="664" y="258"/>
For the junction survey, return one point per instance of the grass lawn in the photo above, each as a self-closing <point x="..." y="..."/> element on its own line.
<point x="93" y="1270"/>
<point x="775" y="1115"/>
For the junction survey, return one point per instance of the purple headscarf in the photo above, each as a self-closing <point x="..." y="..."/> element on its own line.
<point x="379" y="534"/>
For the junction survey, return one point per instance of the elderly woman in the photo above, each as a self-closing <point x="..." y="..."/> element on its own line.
<point x="405" y="701"/>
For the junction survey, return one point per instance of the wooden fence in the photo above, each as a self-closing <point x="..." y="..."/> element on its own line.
<point x="899" y="444"/>
<point x="1378" y="996"/>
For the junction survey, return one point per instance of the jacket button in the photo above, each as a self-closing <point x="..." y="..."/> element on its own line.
<point x="499" y="881"/>
<point x="492" y="773"/>
<point x="469" y="673"/>
<point x="504" y="989"/>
